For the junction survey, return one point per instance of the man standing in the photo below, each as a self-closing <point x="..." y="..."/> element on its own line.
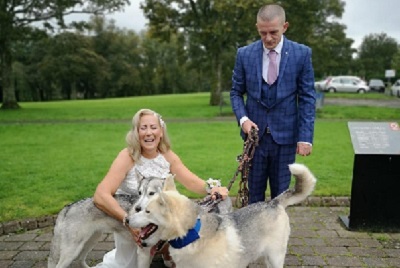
<point x="277" y="77"/>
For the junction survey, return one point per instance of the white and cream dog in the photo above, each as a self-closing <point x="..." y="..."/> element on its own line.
<point x="198" y="239"/>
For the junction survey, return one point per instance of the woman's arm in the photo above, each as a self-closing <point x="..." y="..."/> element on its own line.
<point x="187" y="178"/>
<point x="103" y="197"/>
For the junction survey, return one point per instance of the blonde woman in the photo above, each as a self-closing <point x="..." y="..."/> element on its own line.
<point x="148" y="152"/>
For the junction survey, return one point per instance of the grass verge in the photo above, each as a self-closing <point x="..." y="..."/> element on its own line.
<point x="55" y="153"/>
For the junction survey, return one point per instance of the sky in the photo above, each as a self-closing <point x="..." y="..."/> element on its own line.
<point x="362" y="17"/>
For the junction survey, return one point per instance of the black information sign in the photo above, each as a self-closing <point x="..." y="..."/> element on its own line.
<point x="376" y="176"/>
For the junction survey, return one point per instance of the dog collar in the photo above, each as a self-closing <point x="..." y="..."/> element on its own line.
<point x="191" y="236"/>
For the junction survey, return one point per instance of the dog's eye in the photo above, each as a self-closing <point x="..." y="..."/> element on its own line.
<point x="151" y="193"/>
<point x="147" y="211"/>
<point x="140" y="192"/>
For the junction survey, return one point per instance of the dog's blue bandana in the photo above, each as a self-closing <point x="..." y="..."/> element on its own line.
<point x="191" y="236"/>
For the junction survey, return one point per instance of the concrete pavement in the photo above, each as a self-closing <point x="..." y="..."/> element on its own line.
<point x="318" y="239"/>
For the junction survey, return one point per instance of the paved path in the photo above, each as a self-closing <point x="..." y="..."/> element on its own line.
<point x="393" y="103"/>
<point x="318" y="239"/>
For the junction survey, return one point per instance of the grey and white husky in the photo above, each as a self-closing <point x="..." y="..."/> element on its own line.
<point x="80" y="225"/>
<point x="257" y="232"/>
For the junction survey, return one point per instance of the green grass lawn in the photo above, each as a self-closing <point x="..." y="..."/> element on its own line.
<point x="170" y="106"/>
<point x="368" y="96"/>
<point x="54" y="153"/>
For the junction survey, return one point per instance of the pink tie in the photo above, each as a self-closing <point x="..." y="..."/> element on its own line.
<point x="272" y="68"/>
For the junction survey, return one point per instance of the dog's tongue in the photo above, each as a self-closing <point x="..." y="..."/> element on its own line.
<point x="145" y="230"/>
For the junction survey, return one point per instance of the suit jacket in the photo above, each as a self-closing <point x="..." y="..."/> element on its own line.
<point x="291" y="118"/>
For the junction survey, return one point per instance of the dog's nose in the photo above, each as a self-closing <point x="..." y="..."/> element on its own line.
<point x="138" y="209"/>
<point x="144" y="244"/>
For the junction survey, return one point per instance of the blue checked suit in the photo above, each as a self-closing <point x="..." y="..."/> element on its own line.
<point x="290" y="117"/>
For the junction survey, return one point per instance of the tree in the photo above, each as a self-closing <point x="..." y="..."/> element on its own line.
<point x="396" y="62"/>
<point x="16" y="17"/>
<point x="73" y="65"/>
<point x="27" y="55"/>
<point x="376" y="53"/>
<point x="211" y="28"/>
<point x="120" y="49"/>
<point x="314" y="23"/>
<point x="332" y="52"/>
<point x="163" y="70"/>
<point x="214" y="29"/>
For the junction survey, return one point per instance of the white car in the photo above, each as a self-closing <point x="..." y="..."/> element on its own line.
<point x="352" y="84"/>
<point x="320" y="85"/>
<point x="395" y="90"/>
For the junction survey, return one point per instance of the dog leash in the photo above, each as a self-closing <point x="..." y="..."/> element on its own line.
<point x="244" y="160"/>
<point x="209" y="203"/>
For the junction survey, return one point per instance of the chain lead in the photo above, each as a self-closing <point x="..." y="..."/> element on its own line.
<point x="244" y="160"/>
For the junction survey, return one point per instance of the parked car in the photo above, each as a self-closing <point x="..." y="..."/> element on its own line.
<point x="395" y="90"/>
<point x="376" y="85"/>
<point x="320" y="85"/>
<point x="352" y="84"/>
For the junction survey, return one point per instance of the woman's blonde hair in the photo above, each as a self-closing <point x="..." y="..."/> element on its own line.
<point x="132" y="138"/>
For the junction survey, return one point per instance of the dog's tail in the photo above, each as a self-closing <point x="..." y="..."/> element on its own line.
<point x="305" y="182"/>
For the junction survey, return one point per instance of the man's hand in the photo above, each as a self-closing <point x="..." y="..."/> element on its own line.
<point x="247" y="125"/>
<point x="303" y="149"/>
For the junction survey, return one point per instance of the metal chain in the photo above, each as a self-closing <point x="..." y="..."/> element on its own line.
<point x="242" y="199"/>
<point x="244" y="160"/>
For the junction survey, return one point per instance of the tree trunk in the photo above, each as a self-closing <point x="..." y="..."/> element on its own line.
<point x="216" y="96"/>
<point x="73" y="91"/>
<point x="9" y="98"/>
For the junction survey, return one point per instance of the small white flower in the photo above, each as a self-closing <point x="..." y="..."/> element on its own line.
<point x="162" y="123"/>
<point x="213" y="183"/>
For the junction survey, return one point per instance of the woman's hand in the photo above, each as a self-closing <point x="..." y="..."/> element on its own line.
<point x="136" y="236"/>
<point x="223" y="191"/>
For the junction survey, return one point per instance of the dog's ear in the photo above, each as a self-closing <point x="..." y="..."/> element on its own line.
<point x="169" y="183"/>
<point x="162" y="199"/>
